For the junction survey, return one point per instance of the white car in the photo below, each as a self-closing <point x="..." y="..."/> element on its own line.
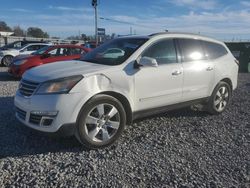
<point x="6" y="56"/>
<point x="95" y="98"/>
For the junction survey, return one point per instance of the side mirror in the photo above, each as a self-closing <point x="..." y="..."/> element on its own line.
<point x="148" y="62"/>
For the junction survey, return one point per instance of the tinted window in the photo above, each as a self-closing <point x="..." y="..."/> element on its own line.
<point x="34" y="47"/>
<point x="191" y="50"/>
<point x="60" y="52"/>
<point x="163" y="51"/>
<point x="77" y="51"/>
<point x="214" y="50"/>
<point x="41" y="50"/>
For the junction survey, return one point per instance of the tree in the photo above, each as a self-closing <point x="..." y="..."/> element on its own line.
<point x="37" y="32"/>
<point x="4" y="27"/>
<point x="18" y="31"/>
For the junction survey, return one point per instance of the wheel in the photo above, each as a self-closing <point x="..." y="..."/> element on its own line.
<point x="220" y="98"/>
<point x="100" y="122"/>
<point x="7" y="60"/>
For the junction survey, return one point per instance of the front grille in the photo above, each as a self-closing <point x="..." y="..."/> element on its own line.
<point x="27" y="88"/>
<point x="35" y="119"/>
<point x="21" y="113"/>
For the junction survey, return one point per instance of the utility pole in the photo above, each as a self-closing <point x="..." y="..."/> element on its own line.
<point x="94" y="4"/>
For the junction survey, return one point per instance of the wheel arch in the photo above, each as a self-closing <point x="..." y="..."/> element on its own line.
<point x="125" y="103"/>
<point x="229" y="82"/>
<point x="6" y="56"/>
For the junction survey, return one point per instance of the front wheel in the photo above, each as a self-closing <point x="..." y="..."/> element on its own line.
<point x="220" y="98"/>
<point x="100" y="122"/>
<point x="7" y="60"/>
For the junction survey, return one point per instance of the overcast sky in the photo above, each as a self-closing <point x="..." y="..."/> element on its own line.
<point x="222" y="19"/>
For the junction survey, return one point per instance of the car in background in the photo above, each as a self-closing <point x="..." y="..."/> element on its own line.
<point x="6" y="56"/>
<point x="48" y="54"/>
<point x="19" y="44"/>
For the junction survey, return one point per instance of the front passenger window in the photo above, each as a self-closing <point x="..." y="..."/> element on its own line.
<point x="163" y="51"/>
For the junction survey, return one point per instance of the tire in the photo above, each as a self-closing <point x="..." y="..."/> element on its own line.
<point x="7" y="60"/>
<point x="219" y="99"/>
<point x="100" y="122"/>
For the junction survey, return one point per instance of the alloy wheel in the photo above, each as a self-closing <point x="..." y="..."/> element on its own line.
<point x="221" y="99"/>
<point x="102" y="122"/>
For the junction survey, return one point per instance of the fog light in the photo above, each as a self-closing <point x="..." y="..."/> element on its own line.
<point x="45" y="113"/>
<point x="46" y="121"/>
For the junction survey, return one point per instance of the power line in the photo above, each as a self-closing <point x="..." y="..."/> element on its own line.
<point x="124" y="22"/>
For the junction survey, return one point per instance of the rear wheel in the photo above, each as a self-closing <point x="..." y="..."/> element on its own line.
<point x="220" y="98"/>
<point x="100" y="122"/>
<point x="7" y="60"/>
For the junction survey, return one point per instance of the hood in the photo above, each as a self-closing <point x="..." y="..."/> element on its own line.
<point x="62" y="69"/>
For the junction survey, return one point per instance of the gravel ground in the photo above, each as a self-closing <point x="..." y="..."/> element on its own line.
<point x="178" y="149"/>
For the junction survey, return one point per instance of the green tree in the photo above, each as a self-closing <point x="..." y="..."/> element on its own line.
<point x="37" y="32"/>
<point x="4" y="27"/>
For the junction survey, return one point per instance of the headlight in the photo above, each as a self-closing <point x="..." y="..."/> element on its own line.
<point x="63" y="85"/>
<point x="20" y="62"/>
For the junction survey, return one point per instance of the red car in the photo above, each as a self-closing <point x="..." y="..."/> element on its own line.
<point x="48" y="54"/>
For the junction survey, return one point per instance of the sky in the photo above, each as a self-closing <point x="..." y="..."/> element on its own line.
<point x="221" y="19"/>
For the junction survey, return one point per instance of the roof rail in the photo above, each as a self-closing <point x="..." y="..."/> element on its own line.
<point x="164" y="33"/>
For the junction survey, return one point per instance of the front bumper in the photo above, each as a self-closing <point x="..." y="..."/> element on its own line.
<point x="14" y="70"/>
<point x="1" y="57"/>
<point x="64" y="104"/>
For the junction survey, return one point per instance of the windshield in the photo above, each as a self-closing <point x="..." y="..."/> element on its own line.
<point x="114" y="52"/>
<point x="41" y="51"/>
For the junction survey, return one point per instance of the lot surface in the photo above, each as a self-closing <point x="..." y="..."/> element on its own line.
<point x="182" y="148"/>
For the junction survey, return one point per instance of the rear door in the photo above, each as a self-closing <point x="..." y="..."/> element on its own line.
<point x="75" y="53"/>
<point x="198" y="70"/>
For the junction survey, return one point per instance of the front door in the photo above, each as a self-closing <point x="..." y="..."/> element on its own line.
<point x="162" y="85"/>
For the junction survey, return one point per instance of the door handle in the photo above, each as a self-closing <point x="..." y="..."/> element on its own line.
<point x="176" y="73"/>
<point x="210" y="68"/>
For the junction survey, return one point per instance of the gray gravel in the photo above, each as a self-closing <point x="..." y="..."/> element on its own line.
<point x="178" y="149"/>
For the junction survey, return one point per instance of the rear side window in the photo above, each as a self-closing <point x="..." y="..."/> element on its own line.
<point x="163" y="51"/>
<point x="214" y="50"/>
<point x="60" y="52"/>
<point x="33" y="47"/>
<point x="191" y="50"/>
<point x="77" y="51"/>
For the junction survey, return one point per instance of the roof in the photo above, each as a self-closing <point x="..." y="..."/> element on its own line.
<point x="4" y="33"/>
<point x="66" y="46"/>
<point x="175" y="34"/>
<point x="184" y="34"/>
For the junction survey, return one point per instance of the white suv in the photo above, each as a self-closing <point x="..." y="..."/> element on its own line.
<point x="95" y="98"/>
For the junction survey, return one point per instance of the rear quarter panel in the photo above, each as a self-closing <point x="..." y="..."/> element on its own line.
<point x="226" y="67"/>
